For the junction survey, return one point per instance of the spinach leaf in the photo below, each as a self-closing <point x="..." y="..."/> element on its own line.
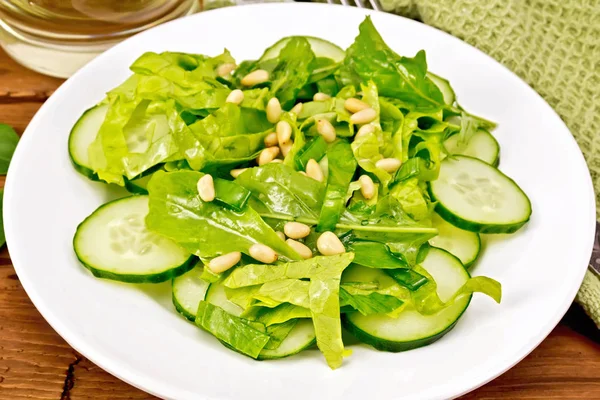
<point x="290" y="71"/>
<point x="232" y="330"/>
<point x="205" y="228"/>
<point x="369" y="58"/>
<point x="298" y="140"/>
<point x="341" y="166"/>
<point x="279" y="193"/>
<point x="279" y="190"/>
<point x="8" y="144"/>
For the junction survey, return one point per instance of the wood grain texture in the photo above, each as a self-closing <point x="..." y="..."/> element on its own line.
<point x="18" y="84"/>
<point x="36" y="363"/>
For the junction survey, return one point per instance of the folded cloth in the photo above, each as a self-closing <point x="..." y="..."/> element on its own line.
<point x="554" y="45"/>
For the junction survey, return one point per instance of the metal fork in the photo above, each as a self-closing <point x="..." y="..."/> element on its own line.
<point x="374" y="4"/>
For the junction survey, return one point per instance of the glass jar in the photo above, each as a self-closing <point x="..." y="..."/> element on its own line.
<point x="57" y="37"/>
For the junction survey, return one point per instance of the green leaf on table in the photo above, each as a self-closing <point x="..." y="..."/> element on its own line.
<point x="8" y="144"/>
<point x="2" y="237"/>
<point x="234" y="331"/>
<point x="203" y="228"/>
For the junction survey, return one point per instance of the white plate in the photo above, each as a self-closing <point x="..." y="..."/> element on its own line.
<point x="134" y="332"/>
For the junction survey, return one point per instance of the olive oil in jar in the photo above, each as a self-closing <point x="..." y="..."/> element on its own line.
<point x="38" y="32"/>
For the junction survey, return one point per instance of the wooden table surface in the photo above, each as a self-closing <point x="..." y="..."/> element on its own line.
<point x="36" y="363"/>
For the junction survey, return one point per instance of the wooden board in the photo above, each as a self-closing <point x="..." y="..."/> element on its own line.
<point x="35" y="363"/>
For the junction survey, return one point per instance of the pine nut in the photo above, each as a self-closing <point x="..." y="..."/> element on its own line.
<point x="273" y="110"/>
<point x="367" y="187"/>
<point x="224" y="262"/>
<point x="262" y="253"/>
<point x="284" y="132"/>
<point x="206" y="188"/>
<point x="303" y="173"/>
<point x="321" y="97"/>
<point x="355" y="105"/>
<point x="300" y="248"/>
<point x="268" y="155"/>
<point x="271" y="140"/>
<point x="326" y="130"/>
<point x="276" y="161"/>
<point x="236" y="97"/>
<point x="255" y="77"/>
<point x="225" y="69"/>
<point x="364" y="130"/>
<point x="363" y="116"/>
<point x="296" y="230"/>
<point x="388" y="164"/>
<point x="286" y="147"/>
<point x="313" y="170"/>
<point x="281" y="235"/>
<point x="297" y="109"/>
<point x="329" y="244"/>
<point x="237" y="172"/>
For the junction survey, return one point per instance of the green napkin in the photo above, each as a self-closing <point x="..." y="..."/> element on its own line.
<point x="554" y="45"/>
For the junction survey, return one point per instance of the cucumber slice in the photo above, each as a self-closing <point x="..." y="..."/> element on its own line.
<point x="411" y="329"/>
<point x="482" y="145"/>
<point x="217" y="297"/>
<point x="477" y="197"/>
<point x="444" y="86"/>
<point x="82" y="135"/>
<point x="113" y="243"/>
<point x="321" y="48"/>
<point x="462" y="244"/>
<point x="188" y="291"/>
<point x="139" y="185"/>
<point x="300" y="338"/>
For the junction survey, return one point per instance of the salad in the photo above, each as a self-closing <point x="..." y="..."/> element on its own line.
<point x="288" y="197"/>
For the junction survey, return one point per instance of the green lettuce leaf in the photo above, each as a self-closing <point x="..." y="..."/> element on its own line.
<point x="183" y="69"/>
<point x="234" y="331"/>
<point x="293" y="291"/>
<point x="413" y="198"/>
<point x="373" y="303"/>
<point x="427" y="301"/>
<point x="205" y="228"/>
<point x="135" y="136"/>
<point x="324" y="274"/>
<point x="280" y="314"/>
